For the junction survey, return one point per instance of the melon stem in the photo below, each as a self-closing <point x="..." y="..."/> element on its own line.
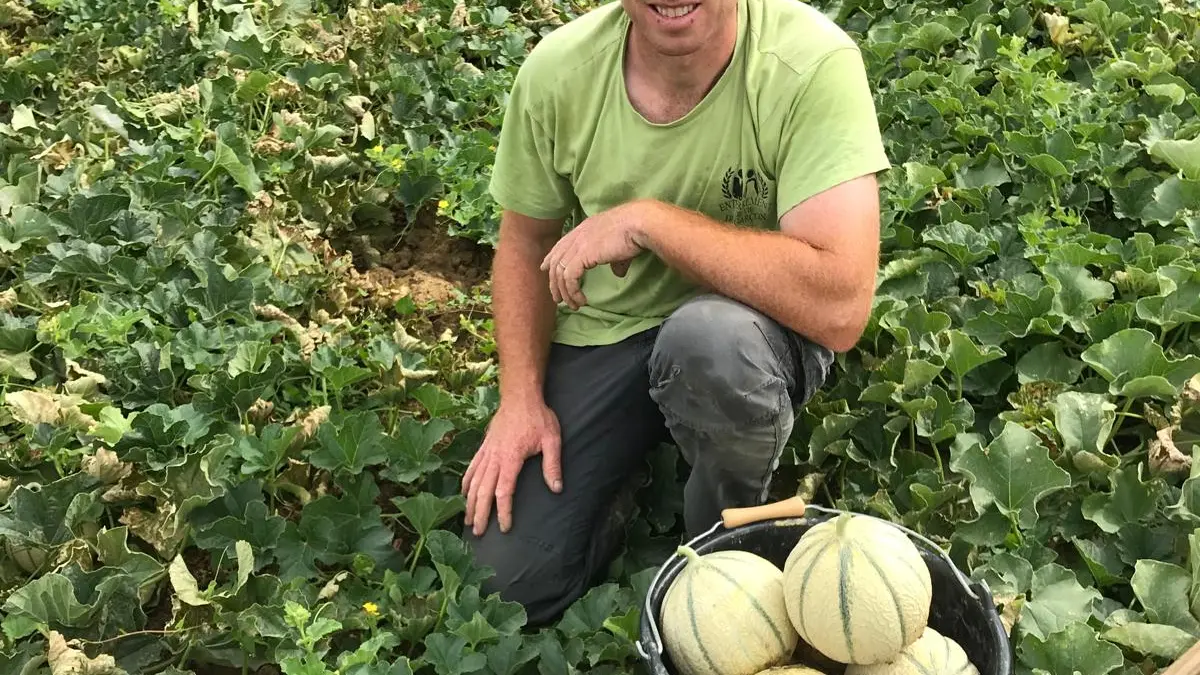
<point x="840" y="524"/>
<point x="689" y="553"/>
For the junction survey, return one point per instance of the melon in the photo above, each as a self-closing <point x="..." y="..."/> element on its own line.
<point x="857" y="589"/>
<point x="790" y="670"/>
<point x="931" y="653"/>
<point x="724" y="614"/>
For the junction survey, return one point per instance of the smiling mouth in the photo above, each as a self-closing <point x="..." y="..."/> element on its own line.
<point x="674" y="12"/>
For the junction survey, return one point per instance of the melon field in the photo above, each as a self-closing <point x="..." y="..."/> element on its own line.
<point x="246" y="350"/>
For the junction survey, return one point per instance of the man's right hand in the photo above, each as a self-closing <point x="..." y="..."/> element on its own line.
<point x="516" y="433"/>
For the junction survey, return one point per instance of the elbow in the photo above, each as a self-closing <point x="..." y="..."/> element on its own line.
<point x="846" y="324"/>
<point x="845" y="338"/>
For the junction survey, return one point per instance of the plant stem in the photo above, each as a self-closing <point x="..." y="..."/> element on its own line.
<point x="1112" y="435"/>
<point x="416" y="553"/>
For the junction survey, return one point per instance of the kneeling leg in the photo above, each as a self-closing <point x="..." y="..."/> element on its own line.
<point x="728" y="379"/>
<point x="559" y="544"/>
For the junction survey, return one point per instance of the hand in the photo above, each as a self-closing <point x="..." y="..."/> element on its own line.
<point x="515" y="434"/>
<point x="607" y="237"/>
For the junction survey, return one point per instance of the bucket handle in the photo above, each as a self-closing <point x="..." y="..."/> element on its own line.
<point x="792" y="507"/>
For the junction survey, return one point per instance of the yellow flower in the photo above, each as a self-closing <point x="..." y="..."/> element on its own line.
<point x="443" y="204"/>
<point x="371" y="608"/>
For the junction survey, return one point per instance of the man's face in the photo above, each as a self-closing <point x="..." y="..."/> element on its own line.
<point x="679" y="27"/>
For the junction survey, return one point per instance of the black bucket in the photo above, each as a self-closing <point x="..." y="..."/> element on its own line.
<point x="961" y="609"/>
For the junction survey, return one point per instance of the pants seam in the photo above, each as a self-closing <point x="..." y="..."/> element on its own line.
<point x="772" y="463"/>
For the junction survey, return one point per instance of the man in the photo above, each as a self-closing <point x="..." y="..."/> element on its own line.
<point x="717" y="161"/>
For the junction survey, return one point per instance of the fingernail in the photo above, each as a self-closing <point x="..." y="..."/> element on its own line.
<point x="558" y="486"/>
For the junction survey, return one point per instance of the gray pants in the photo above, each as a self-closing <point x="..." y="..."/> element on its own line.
<point x="717" y="378"/>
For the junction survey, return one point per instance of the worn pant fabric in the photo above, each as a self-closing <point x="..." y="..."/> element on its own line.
<point x="718" y="379"/>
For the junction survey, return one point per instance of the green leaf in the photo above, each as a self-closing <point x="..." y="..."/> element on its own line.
<point x="961" y="241"/>
<point x="184" y="583"/>
<point x="1056" y="601"/>
<point x="1194" y="563"/>
<point x="448" y="656"/>
<point x="109" y="119"/>
<point x="914" y="325"/>
<point x="410" y="455"/>
<point x="1183" y="156"/>
<point x="245" y="562"/>
<point x="1020" y="316"/>
<point x="946" y="419"/>
<point x="426" y="511"/>
<point x="962" y="354"/>
<point x="22" y="118"/>
<point x="1162" y="589"/>
<point x="1103" y="561"/>
<point x="476" y="631"/>
<point x="1167" y="642"/>
<point x="1075" y="649"/>
<point x="19" y="366"/>
<point x="1049" y="165"/>
<point x="1084" y="420"/>
<point x="1014" y="472"/>
<point x="47" y="515"/>
<point x="239" y="168"/>
<point x="1134" y="364"/>
<point x="1077" y="294"/>
<point x="95" y="605"/>
<point x="1130" y="501"/>
<point x="1048" y="362"/>
<point x="350" y="443"/>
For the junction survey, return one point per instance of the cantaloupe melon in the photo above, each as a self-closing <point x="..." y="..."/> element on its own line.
<point x="790" y="670"/>
<point x="931" y="653"/>
<point x="724" y="614"/>
<point x="856" y="589"/>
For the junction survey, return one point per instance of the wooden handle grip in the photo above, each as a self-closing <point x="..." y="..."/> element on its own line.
<point x="792" y="507"/>
<point x="1188" y="664"/>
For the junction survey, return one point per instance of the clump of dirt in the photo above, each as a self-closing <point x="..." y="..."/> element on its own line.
<point x="424" y="263"/>
<point x="434" y="264"/>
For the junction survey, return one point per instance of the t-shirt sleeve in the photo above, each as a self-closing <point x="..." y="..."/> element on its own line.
<point x="524" y="178"/>
<point x="830" y="132"/>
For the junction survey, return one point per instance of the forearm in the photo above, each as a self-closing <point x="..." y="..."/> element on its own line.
<point x="795" y="283"/>
<point x="523" y="312"/>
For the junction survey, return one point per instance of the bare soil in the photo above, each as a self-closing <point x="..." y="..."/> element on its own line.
<point x="428" y="263"/>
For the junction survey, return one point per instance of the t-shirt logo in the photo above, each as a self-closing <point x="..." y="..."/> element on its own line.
<point x="745" y="194"/>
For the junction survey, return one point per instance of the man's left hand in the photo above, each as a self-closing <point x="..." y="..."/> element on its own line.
<point x="605" y="238"/>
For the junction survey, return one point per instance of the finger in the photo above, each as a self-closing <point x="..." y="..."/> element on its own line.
<point x="505" y="485"/>
<point x="469" y="493"/>
<point x="479" y="469"/>
<point x="551" y="268"/>
<point x="571" y="278"/>
<point x="483" y="503"/>
<point x="552" y="461"/>
<point x="564" y="242"/>
<point x="558" y="285"/>
<point x="471" y="471"/>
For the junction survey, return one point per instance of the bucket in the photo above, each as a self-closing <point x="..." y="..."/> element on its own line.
<point x="961" y="609"/>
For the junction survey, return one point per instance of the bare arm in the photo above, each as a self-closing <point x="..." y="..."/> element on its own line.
<point x="521" y="304"/>
<point x="523" y="426"/>
<point x="816" y="275"/>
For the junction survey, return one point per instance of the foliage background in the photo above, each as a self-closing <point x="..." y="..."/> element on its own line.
<point x="245" y="352"/>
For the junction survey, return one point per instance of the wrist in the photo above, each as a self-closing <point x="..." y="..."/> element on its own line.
<point x="521" y="397"/>
<point x="645" y="220"/>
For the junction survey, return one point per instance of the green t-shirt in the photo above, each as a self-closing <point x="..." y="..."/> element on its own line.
<point x="791" y="116"/>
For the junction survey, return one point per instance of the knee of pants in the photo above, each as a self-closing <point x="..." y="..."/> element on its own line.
<point x="719" y="365"/>
<point x="530" y="572"/>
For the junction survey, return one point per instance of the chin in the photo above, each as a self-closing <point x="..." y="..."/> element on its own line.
<point x="674" y="27"/>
